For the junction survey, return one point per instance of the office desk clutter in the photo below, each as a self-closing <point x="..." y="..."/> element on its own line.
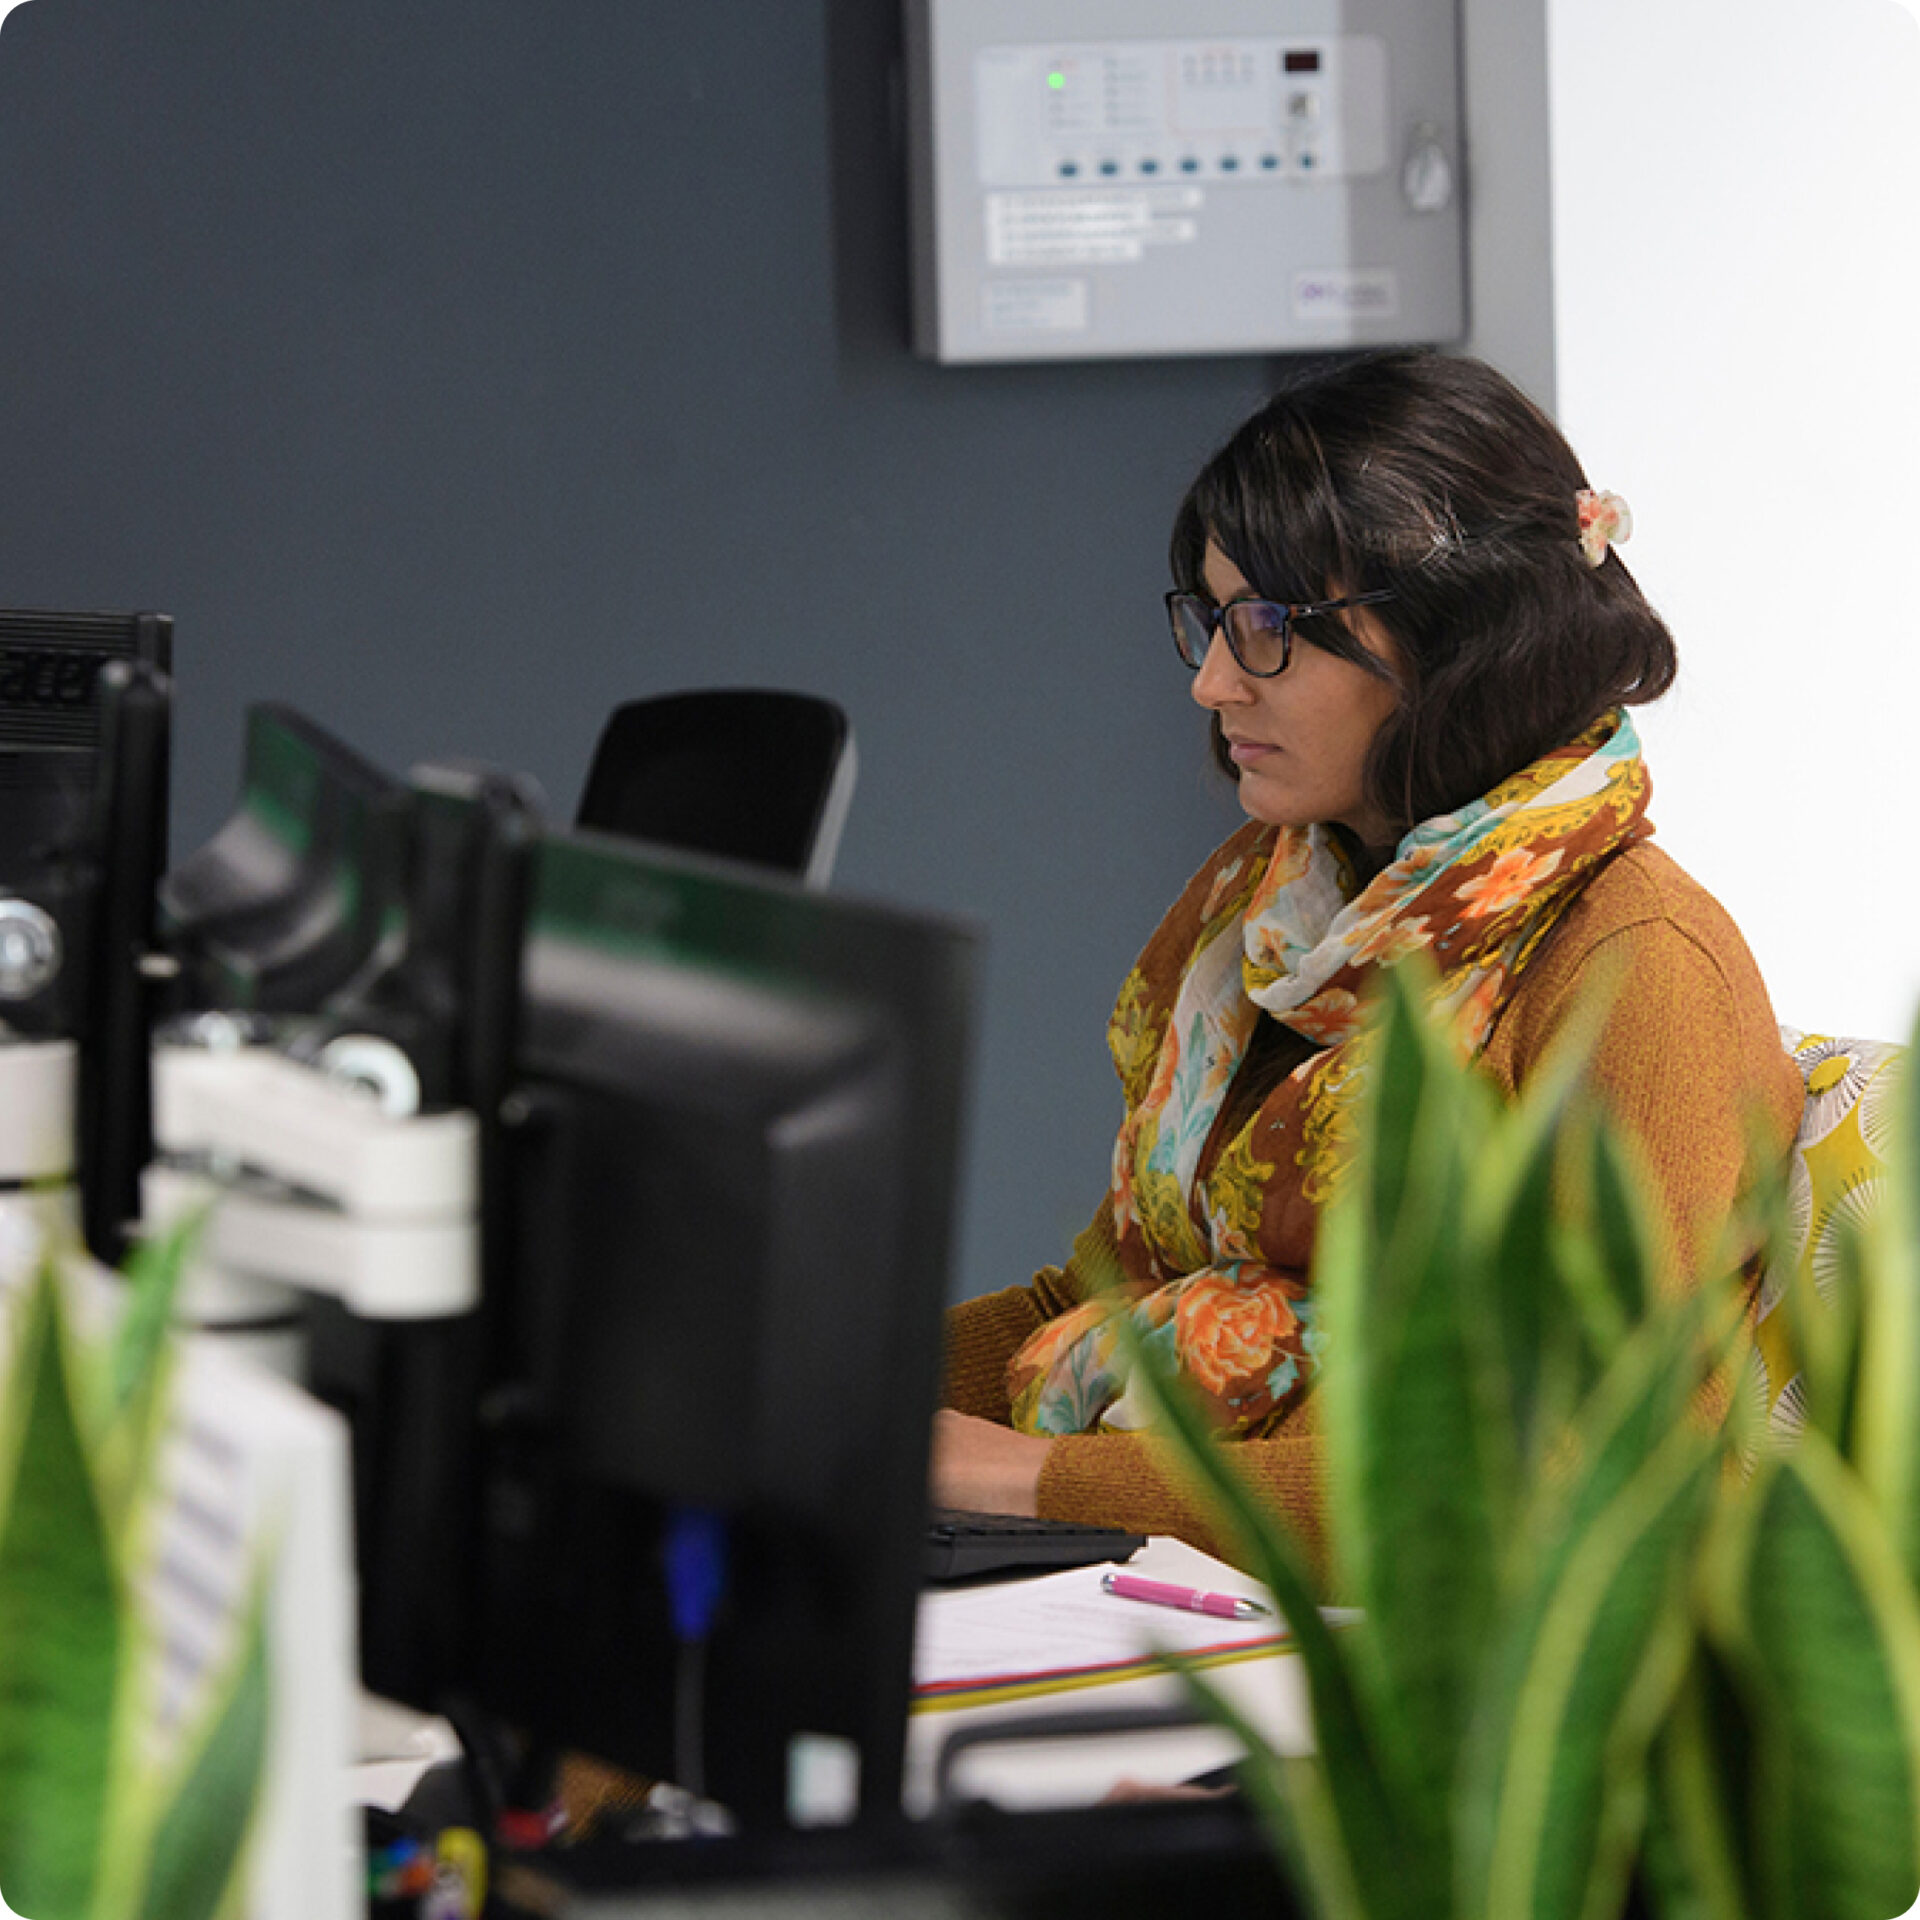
<point x="1057" y="1631"/>
<point x="963" y="1545"/>
<point x="177" y="1655"/>
<point x="694" y="1109"/>
<point x="510" y="1135"/>
<point x="1167" y="1593"/>
<point x="1054" y="1691"/>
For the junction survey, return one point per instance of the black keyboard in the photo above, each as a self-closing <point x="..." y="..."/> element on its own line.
<point x="959" y="1544"/>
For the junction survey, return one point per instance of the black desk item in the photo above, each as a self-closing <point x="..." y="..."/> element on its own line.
<point x="666" y="1482"/>
<point x="1142" y="1861"/>
<point x="85" y="704"/>
<point x="746" y="773"/>
<point x="960" y="1544"/>
<point x="712" y="1340"/>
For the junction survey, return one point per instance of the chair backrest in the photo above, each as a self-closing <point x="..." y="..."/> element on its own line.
<point x="1834" y="1178"/>
<point x="750" y="774"/>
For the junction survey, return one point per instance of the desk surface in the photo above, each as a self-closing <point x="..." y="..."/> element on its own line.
<point x="1038" y="1771"/>
<point x="1029" y="1773"/>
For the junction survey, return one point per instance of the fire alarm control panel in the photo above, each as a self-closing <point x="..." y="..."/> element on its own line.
<point x="1095" y="178"/>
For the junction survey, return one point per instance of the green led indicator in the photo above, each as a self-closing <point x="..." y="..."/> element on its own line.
<point x="1056" y="80"/>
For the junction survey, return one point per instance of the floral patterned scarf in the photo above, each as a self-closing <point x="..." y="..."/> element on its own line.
<point x="1285" y="931"/>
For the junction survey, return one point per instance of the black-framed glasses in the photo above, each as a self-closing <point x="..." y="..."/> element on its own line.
<point x="1259" y="632"/>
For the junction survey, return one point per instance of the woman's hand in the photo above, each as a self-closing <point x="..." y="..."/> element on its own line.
<point x="983" y="1468"/>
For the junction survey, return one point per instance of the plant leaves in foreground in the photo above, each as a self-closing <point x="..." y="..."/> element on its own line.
<point x="1822" y="1628"/>
<point x="1886" y="1430"/>
<point x="61" y="1632"/>
<point x="1549" y="1809"/>
<point x="203" y="1832"/>
<point x="1420" y="1462"/>
<point x="1343" y="1830"/>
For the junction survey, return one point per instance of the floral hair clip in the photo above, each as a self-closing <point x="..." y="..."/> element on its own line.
<point x="1605" y="521"/>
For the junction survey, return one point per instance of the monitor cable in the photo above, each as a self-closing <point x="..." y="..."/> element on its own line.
<point x="695" y="1551"/>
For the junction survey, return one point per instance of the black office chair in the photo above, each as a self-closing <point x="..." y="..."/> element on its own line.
<point x="747" y="773"/>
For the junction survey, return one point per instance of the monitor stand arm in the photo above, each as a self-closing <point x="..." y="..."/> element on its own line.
<point x="315" y="1188"/>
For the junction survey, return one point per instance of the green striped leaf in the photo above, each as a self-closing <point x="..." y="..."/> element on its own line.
<point x="1697" y="1857"/>
<point x="135" y="1379"/>
<point x="1419" y="1448"/>
<point x="1817" y="1617"/>
<point x="153" y="1274"/>
<point x="1345" y="1831"/>
<point x="1552" y="1793"/>
<point x="1604" y="1243"/>
<point x="202" y="1834"/>
<point x="1887" y="1414"/>
<point x="1296" y="1806"/>
<point x="1513" y="1236"/>
<point x="1621" y="1227"/>
<point x="62" y="1629"/>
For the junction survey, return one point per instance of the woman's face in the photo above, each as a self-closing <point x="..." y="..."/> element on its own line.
<point x="1299" y="739"/>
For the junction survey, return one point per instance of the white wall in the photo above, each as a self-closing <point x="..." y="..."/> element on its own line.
<point x="1736" y="232"/>
<point x="1503" y="81"/>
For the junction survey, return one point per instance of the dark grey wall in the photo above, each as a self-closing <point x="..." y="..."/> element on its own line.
<point x="455" y="369"/>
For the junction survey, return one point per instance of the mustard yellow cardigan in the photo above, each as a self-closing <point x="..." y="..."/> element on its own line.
<point x="1688" y="1056"/>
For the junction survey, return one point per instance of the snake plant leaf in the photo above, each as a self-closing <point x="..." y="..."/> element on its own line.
<point x="1620" y="1224"/>
<point x="1605" y="1243"/>
<point x="1290" y="1795"/>
<point x="153" y="1273"/>
<point x="1697" y="1855"/>
<point x="1511" y="1234"/>
<point x="62" y="1629"/>
<point x="1419" y="1461"/>
<point x="1829" y="1332"/>
<point x="1593" y="1647"/>
<point x="202" y="1834"/>
<point x="137" y="1369"/>
<point x="1887" y="1417"/>
<point x="1806" y="1595"/>
<point x="1399" y="1046"/>
<point x="1345" y="1830"/>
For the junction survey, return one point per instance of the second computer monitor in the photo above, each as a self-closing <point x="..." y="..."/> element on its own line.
<point x="731" y="1187"/>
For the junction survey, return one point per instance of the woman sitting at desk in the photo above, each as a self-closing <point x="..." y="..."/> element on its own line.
<point x="1400" y="603"/>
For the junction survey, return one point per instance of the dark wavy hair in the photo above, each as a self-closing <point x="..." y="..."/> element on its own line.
<point x="1434" y="476"/>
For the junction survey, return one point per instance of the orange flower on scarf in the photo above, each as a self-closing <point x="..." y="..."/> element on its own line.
<point x="1393" y="940"/>
<point x="1232" y="1337"/>
<point x="1507" y="882"/>
<point x="1331" y="1017"/>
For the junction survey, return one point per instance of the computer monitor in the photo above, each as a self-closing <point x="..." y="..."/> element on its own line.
<point x="85" y="704"/>
<point x="729" y="1202"/>
<point x="721" y="1116"/>
<point x="339" y="904"/>
<point x="292" y="895"/>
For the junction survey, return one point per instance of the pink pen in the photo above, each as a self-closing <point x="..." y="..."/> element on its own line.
<point x="1162" y="1593"/>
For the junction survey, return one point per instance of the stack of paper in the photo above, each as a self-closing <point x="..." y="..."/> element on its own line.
<point x="1064" y="1630"/>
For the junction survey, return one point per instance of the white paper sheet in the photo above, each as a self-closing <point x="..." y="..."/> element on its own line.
<point x="1067" y="1621"/>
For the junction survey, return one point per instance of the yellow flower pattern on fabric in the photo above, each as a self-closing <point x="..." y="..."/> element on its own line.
<point x="1837" y="1168"/>
<point x="1236" y="1194"/>
<point x="1134" y="1035"/>
<point x="1327" y="1138"/>
<point x="1287" y="932"/>
<point x="1159" y="1204"/>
